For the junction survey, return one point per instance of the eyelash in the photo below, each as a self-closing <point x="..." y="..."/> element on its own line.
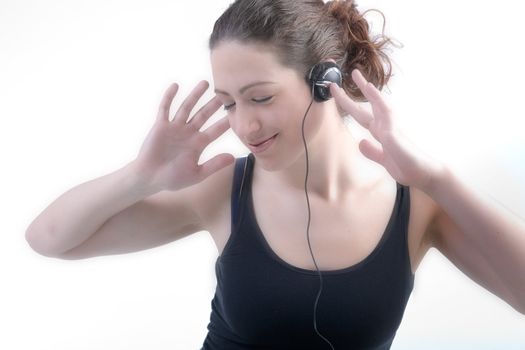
<point x="227" y="107"/>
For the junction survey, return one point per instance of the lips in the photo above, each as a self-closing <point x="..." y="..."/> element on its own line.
<point x="261" y="147"/>
<point x="262" y="141"/>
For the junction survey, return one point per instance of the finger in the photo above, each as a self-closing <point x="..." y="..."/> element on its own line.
<point x="205" y="112"/>
<point x="371" y="151"/>
<point x="381" y="109"/>
<point x="372" y="94"/>
<point x="217" y="129"/>
<point x="362" y="116"/>
<point x="190" y="101"/>
<point x="165" y="103"/>
<point x="214" y="164"/>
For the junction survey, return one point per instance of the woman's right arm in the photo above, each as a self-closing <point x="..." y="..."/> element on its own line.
<point x="148" y="201"/>
<point x="78" y="213"/>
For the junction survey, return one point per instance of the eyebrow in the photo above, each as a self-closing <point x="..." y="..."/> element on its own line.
<point x="246" y="87"/>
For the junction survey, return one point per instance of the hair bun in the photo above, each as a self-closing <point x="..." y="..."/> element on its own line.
<point x="362" y="51"/>
<point x="343" y="10"/>
<point x="338" y="7"/>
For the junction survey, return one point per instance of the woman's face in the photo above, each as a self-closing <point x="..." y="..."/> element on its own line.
<point x="275" y="106"/>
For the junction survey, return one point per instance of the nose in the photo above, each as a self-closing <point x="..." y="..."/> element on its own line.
<point x="245" y="123"/>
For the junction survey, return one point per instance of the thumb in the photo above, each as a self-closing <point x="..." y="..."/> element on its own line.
<point x="371" y="151"/>
<point x="215" y="164"/>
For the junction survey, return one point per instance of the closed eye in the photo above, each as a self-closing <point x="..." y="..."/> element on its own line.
<point x="265" y="99"/>
<point x="227" y="107"/>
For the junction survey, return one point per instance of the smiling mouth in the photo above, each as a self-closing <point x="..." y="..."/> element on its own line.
<point x="260" y="143"/>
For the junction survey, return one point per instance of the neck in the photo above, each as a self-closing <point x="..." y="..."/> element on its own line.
<point x="335" y="165"/>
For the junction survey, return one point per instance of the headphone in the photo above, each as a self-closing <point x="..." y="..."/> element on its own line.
<point x="319" y="78"/>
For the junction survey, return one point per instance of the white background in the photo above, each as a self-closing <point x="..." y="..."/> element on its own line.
<point x="80" y="84"/>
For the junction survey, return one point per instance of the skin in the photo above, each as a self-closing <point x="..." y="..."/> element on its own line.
<point x="482" y="238"/>
<point x="333" y="153"/>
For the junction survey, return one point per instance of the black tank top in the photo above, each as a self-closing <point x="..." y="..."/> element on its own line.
<point x="262" y="302"/>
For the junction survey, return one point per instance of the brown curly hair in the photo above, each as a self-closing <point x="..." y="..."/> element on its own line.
<point x="305" y="32"/>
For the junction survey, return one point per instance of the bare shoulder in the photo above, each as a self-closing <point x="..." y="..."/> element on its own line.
<point x="423" y="210"/>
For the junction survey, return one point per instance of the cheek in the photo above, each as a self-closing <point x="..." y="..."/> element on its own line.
<point x="233" y="122"/>
<point x="289" y="122"/>
<point x="297" y="114"/>
<point x="312" y="124"/>
<point x="282" y="119"/>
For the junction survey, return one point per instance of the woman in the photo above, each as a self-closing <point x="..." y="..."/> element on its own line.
<point x="366" y="232"/>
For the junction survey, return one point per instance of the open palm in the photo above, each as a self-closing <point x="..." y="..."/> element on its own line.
<point x="405" y="163"/>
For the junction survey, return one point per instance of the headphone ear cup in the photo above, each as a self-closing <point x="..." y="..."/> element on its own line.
<point x="320" y="77"/>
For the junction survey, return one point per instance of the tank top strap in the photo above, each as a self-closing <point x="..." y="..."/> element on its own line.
<point x="241" y="185"/>
<point x="401" y="241"/>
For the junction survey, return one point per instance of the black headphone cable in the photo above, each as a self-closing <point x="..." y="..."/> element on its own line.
<point x="308" y="225"/>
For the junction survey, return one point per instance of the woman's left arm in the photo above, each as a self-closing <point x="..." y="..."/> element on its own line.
<point x="480" y="236"/>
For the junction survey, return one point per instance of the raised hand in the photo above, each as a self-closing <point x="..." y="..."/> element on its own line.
<point x="406" y="163"/>
<point x="168" y="158"/>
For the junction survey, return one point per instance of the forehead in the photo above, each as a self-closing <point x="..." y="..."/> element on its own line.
<point x="235" y="63"/>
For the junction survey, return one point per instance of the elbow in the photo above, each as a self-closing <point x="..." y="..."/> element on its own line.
<point x="38" y="241"/>
<point x="41" y="243"/>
